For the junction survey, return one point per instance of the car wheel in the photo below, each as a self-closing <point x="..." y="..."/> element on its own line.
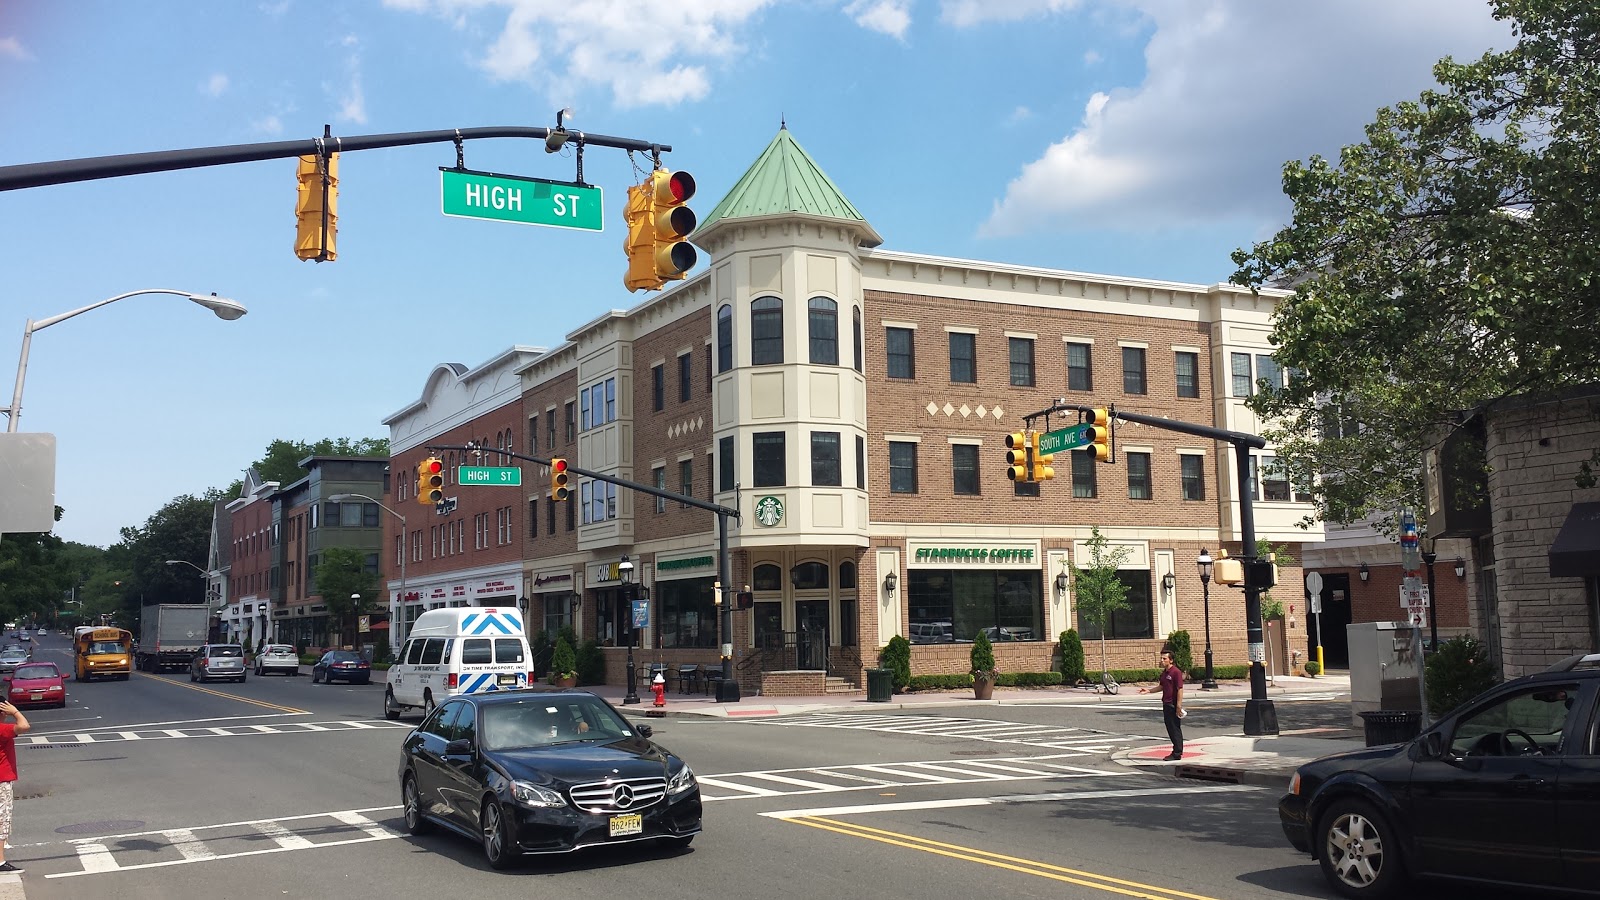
<point x="193" y="676"/>
<point x="416" y="823"/>
<point x="1360" y="856"/>
<point x="241" y="679"/>
<point x="498" y="847"/>
<point x="391" y="710"/>
<point x="427" y="703"/>
<point x="315" y="678"/>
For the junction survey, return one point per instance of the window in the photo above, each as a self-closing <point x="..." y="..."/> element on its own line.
<point x="572" y="516"/>
<point x="1193" y="468"/>
<point x="855" y="317"/>
<point x="533" y="518"/>
<point x="659" y="474"/>
<point x="1506" y="727"/>
<point x="1272" y="476"/>
<point x="847" y="575"/>
<point x="1135" y="621"/>
<point x="1186" y="369"/>
<point x="586" y="417"/>
<point x="1133" y="380"/>
<point x="611" y="401"/>
<point x="1079" y="375"/>
<point x="823" y="317"/>
<point x="809" y="576"/>
<point x="477" y="652"/>
<point x="533" y="434"/>
<point x="1268" y="371"/>
<point x="861" y="463"/>
<point x="507" y="650"/>
<point x="550" y="430"/>
<point x="685" y="377"/>
<point x="725" y="464"/>
<point x="711" y="476"/>
<point x="658" y="387"/>
<point x="767" y="458"/>
<point x="902" y="467"/>
<point x="766" y="331"/>
<point x="572" y="422"/>
<point x="685" y="480"/>
<point x="825" y="463"/>
<point x="963" y="358"/>
<point x="964" y="467"/>
<point x="1021" y="362"/>
<point x="952" y="605"/>
<point x="708" y="370"/>
<point x="902" y="352"/>
<point x="1138" y="475"/>
<point x="767" y="577"/>
<point x="1083" y="475"/>
<point x="1024" y="488"/>
<point x="688" y="613"/>
<point x="724" y="339"/>
<point x="550" y="517"/>
<point x="1240" y="364"/>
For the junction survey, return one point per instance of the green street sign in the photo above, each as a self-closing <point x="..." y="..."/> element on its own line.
<point x="1065" y="439"/>
<point x="508" y="475"/>
<point x="523" y="201"/>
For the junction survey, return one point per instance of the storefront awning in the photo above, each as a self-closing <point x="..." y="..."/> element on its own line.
<point x="1576" y="550"/>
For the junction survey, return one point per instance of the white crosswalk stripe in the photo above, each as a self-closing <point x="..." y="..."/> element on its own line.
<point x="162" y="734"/>
<point x="1050" y="737"/>
<point x="867" y="777"/>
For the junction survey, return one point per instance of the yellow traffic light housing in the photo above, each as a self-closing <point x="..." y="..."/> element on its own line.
<point x="1042" y="470"/>
<point x="1017" y="456"/>
<point x="672" y="222"/>
<point x="1100" y="434"/>
<point x="316" y="208"/>
<point x="639" y="242"/>
<point x="430" y="481"/>
<point x="558" y="480"/>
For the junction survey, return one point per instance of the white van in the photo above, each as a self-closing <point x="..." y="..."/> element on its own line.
<point x="461" y="650"/>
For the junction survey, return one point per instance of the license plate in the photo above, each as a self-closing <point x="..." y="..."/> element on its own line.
<point x="36" y="697"/>
<point x="622" y="826"/>
<point x="507" y="679"/>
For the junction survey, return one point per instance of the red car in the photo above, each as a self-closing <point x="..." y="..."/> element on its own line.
<point x="37" y="684"/>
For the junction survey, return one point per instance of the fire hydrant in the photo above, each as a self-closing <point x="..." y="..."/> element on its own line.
<point x="658" y="686"/>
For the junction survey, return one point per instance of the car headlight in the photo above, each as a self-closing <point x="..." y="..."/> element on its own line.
<point x="1294" y="784"/>
<point x="681" y="781"/>
<point x="529" y="794"/>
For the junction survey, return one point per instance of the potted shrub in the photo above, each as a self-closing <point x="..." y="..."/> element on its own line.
<point x="983" y="671"/>
<point x="1313" y="668"/>
<point x="564" y="665"/>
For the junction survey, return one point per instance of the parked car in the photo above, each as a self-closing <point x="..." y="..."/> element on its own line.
<point x="342" y="665"/>
<point x="1474" y="797"/>
<point x="12" y="657"/>
<point x="543" y="772"/>
<point x="278" y="658"/>
<point x="932" y="633"/>
<point x="37" y="684"/>
<point x="218" y="661"/>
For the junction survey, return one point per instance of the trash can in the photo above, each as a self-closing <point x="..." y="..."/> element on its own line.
<point x="880" y="685"/>
<point x="1391" y="726"/>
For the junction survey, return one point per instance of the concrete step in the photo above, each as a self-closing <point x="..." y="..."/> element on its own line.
<point x="837" y="685"/>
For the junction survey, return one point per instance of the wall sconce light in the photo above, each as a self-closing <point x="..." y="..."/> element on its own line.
<point x="1169" y="582"/>
<point x="890" y="582"/>
<point x="522" y="604"/>
<point x="1461" y="567"/>
<point x="1364" y="572"/>
<point x="1062" y="581"/>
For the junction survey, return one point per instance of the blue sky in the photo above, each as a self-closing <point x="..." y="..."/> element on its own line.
<point x="1133" y="137"/>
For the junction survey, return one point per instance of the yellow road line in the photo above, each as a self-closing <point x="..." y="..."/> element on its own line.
<point x="1000" y="861"/>
<point x="205" y="690"/>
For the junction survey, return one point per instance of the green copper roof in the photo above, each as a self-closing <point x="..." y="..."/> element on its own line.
<point x="784" y="179"/>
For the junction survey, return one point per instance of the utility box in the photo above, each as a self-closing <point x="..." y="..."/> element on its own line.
<point x="1385" y="668"/>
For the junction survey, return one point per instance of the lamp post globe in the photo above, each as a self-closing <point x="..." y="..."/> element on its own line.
<point x="1204" y="563"/>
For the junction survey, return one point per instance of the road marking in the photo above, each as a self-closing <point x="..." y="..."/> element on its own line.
<point x="842" y="779"/>
<point x="1052" y="797"/>
<point x="362" y="822"/>
<point x="205" y="690"/>
<point x="158" y="734"/>
<point x="94" y="857"/>
<point x="286" y="839"/>
<point x="192" y="849"/>
<point x="1052" y="737"/>
<point x="128" y="725"/>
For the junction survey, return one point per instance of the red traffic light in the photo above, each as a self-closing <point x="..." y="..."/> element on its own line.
<point x="675" y="188"/>
<point x="558" y="465"/>
<point x="432" y="467"/>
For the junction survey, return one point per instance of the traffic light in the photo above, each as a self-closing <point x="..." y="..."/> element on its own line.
<point x="316" y="208"/>
<point x="672" y="223"/>
<point x="558" y="479"/>
<point x="1017" y="467"/>
<point x="1042" y="470"/>
<point x="1100" y="434"/>
<point x="430" y="481"/>
<point x="639" y="242"/>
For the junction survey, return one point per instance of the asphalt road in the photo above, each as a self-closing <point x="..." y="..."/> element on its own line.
<point x="276" y="788"/>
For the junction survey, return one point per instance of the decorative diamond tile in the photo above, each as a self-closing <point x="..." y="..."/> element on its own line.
<point x="932" y="407"/>
<point x="948" y="409"/>
<point x="699" y="423"/>
<point x="966" y="411"/>
<point x="981" y="411"/>
<point x="998" y="412"/>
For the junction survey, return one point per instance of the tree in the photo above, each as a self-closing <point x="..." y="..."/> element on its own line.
<point x="281" y="461"/>
<point x="343" y="572"/>
<point x="1446" y="262"/>
<point x="1098" y="590"/>
<point x="179" y="530"/>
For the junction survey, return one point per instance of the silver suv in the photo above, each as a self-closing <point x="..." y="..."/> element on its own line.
<point x="218" y="661"/>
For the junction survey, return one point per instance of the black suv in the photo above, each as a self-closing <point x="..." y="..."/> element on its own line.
<point x="1505" y="789"/>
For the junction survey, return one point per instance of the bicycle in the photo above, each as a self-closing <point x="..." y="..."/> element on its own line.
<point x="1108" y="683"/>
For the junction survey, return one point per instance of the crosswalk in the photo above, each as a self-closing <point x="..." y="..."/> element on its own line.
<point x="881" y="776"/>
<point x="83" y="738"/>
<point x="1085" y="741"/>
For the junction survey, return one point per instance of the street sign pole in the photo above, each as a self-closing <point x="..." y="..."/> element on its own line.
<point x="1314" y="596"/>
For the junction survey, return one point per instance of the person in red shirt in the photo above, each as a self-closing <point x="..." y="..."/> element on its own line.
<point x="8" y="774"/>
<point x="1171" y="703"/>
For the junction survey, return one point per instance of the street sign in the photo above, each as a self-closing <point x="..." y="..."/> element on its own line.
<point x="1313" y="583"/>
<point x="1064" y="439"/>
<point x="522" y="201"/>
<point x="506" y="475"/>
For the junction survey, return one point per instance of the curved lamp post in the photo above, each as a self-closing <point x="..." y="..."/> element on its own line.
<point x="222" y="306"/>
<point x="404" y="552"/>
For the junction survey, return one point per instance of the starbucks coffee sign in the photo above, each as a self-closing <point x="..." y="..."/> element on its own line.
<point x="976" y="554"/>
<point x="769" y="510"/>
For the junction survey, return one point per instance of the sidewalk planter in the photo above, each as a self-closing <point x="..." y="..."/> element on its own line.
<point x="982" y="688"/>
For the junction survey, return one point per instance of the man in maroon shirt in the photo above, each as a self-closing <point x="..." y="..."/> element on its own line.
<point x="8" y="774"/>
<point x="1171" y="703"/>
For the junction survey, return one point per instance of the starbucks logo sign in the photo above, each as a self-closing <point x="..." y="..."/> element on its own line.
<point x="769" y="511"/>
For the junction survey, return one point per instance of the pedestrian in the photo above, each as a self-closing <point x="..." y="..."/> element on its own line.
<point x="8" y="775"/>
<point x="1171" y="703"/>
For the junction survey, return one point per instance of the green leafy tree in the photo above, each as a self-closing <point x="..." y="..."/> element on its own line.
<point x="281" y="461"/>
<point x="341" y="574"/>
<point x="1458" y="671"/>
<point x="896" y="657"/>
<point x="1097" y="589"/>
<point x="564" y="662"/>
<point x="180" y="530"/>
<point x="1445" y="262"/>
<point x="1072" y="668"/>
<point x="982" y="658"/>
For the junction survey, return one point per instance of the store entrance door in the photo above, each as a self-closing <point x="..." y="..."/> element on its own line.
<point x="811" y="634"/>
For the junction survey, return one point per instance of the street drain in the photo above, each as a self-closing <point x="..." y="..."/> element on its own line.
<point x="974" y="752"/>
<point x="100" y="827"/>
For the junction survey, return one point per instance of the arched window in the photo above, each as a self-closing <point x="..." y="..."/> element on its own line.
<point x="767" y="578"/>
<point x="766" y="332"/>
<point x="847" y="575"/>
<point x="809" y="576"/>
<point x="506" y="459"/>
<point x="823" y="317"/>
<point x="724" y="339"/>
<point x="500" y="446"/>
<point x="856" y="315"/>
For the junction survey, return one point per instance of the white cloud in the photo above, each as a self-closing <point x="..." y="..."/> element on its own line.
<point x="892" y="17"/>
<point x="1019" y="114"/>
<point x="215" y="86"/>
<point x="1232" y="89"/>
<point x="1091" y="57"/>
<point x="645" y="53"/>
<point x="12" y="48"/>
<point x="348" y="94"/>
<point x="966" y="13"/>
<point x="268" y="124"/>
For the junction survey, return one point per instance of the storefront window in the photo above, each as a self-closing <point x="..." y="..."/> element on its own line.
<point x="769" y="624"/>
<point x="768" y="577"/>
<point x="1133" y="622"/>
<point x="687" y="613"/>
<point x="952" y="606"/>
<point x="810" y="576"/>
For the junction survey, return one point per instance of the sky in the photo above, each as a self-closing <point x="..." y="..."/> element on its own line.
<point x="1141" y="138"/>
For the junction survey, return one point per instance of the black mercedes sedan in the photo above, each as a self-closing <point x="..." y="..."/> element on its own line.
<point x="539" y="772"/>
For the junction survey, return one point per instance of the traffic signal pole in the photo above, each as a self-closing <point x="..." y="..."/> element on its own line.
<point x="1260" y="716"/>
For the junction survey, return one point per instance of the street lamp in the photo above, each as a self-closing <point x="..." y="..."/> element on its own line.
<point x="404" y="552"/>
<point x="184" y="562"/>
<point x="222" y="306"/>
<point x="625" y="575"/>
<point x="1204" y="562"/>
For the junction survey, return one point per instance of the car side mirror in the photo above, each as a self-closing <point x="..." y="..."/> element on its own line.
<point x="645" y="730"/>
<point x="1433" y="745"/>
<point x="458" y="747"/>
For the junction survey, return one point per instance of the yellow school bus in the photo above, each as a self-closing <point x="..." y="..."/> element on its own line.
<point x="103" y="653"/>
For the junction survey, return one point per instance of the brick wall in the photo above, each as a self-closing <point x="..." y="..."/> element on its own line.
<point x="679" y="428"/>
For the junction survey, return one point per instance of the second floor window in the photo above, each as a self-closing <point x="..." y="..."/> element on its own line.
<point x="1083" y="475"/>
<point x="766" y="331"/>
<point x="767" y="459"/>
<point x="685" y="480"/>
<point x="902" y="349"/>
<point x="658" y="388"/>
<point x="660" y="473"/>
<point x="964" y="467"/>
<point x="902" y="467"/>
<point x="724" y="339"/>
<point x="825" y="464"/>
<point x="685" y="377"/>
<point x="1193" y="469"/>
<point x="572" y="421"/>
<point x="1133" y="374"/>
<point x="1186" y="373"/>
<point x="963" y="358"/>
<point x="1138" y="475"/>
<point x="1021" y="362"/>
<point x="725" y="464"/>
<point x="1079" y="375"/>
<point x="823" y="318"/>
